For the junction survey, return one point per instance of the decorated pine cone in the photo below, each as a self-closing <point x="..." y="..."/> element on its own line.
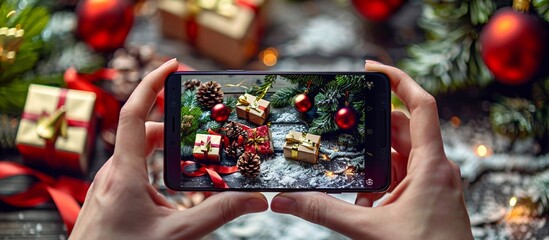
<point x="249" y="164"/>
<point x="209" y="94"/>
<point x="191" y="84"/>
<point x="234" y="150"/>
<point x="232" y="130"/>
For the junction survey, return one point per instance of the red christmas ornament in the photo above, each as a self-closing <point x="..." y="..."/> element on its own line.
<point x="377" y="10"/>
<point x="345" y="118"/>
<point x="512" y="45"/>
<point x="220" y="112"/>
<point x="104" y="24"/>
<point x="303" y="103"/>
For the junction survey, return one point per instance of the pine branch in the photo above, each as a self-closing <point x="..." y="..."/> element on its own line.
<point x="450" y="59"/>
<point x="542" y="8"/>
<point x="324" y="123"/>
<point x="14" y="93"/>
<point x="262" y="89"/>
<point x="303" y="80"/>
<point x="285" y="96"/>
<point x="188" y="99"/>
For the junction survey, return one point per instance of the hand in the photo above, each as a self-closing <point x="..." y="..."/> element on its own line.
<point x="426" y="200"/>
<point x="122" y="204"/>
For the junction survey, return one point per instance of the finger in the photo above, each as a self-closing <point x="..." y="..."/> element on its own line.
<point x="130" y="140"/>
<point x="155" y="137"/>
<point x="424" y="131"/>
<point x="322" y="209"/>
<point x="215" y="211"/>
<point x="400" y="133"/>
<point x="367" y="199"/>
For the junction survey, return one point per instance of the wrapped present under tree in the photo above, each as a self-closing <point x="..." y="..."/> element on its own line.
<point x="302" y="146"/>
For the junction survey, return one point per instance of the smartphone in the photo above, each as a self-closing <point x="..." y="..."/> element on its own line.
<point x="277" y="131"/>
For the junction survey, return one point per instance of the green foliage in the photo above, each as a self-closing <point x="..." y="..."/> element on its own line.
<point x="449" y="59"/>
<point x="31" y="19"/>
<point x="13" y="94"/>
<point x="285" y="97"/>
<point x="268" y="81"/>
<point x="514" y="118"/>
<point x="191" y="115"/>
<point x="231" y="102"/>
<point x="542" y="8"/>
<point x="188" y="99"/>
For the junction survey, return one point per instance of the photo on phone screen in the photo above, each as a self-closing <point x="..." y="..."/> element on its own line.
<point x="277" y="131"/>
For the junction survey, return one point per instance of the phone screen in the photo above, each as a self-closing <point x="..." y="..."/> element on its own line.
<point x="277" y="131"/>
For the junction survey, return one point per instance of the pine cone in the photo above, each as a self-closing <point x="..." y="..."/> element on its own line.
<point x="209" y="94"/>
<point x="234" y="150"/>
<point x="192" y="84"/>
<point x="249" y="164"/>
<point x="8" y="132"/>
<point x="232" y="130"/>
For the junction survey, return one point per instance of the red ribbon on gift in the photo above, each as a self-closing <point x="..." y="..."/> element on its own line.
<point x="106" y="106"/>
<point x="65" y="192"/>
<point x="207" y="146"/>
<point x="212" y="170"/>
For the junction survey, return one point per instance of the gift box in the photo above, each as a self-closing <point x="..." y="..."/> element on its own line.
<point x="57" y="128"/>
<point x="227" y="31"/>
<point x="302" y="146"/>
<point x="259" y="140"/>
<point x="252" y="109"/>
<point x="207" y="148"/>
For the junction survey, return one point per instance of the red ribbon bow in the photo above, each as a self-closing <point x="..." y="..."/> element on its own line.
<point x="66" y="192"/>
<point x="212" y="170"/>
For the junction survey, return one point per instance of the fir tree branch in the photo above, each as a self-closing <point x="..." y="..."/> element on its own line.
<point x="268" y="81"/>
<point x="542" y="8"/>
<point x="285" y="96"/>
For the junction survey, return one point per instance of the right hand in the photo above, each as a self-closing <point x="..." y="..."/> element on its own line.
<point x="426" y="200"/>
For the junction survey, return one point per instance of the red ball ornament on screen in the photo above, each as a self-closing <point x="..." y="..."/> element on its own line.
<point x="220" y="112"/>
<point x="377" y="10"/>
<point x="303" y="103"/>
<point x="345" y="118"/>
<point x="104" y="24"/>
<point x="512" y="46"/>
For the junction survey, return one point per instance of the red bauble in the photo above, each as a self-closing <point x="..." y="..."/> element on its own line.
<point x="104" y="24"/>
<point x="303" y="103"/>
<point x="345" y="118"/>
<point x="377" y="10"/>
<point x="220" y="112"/>
<point x="512" y="46"/>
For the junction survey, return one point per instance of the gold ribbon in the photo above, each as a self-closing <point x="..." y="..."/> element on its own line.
<point x="256" y="139"/>
<point x="205" y="148"/>
<point x="225" y="8"/>
<point x="10" y="41"/>
<point x="243" y="101"/>
<point x="50" y="127"/>
<point x="299" y="141"/>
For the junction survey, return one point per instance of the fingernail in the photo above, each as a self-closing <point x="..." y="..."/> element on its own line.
<point x="170" y="61"/>
<point x="369" y="61"/>
<point x="283" y="204"/>
<point x="364" y="202"/>
<point x="255" y="205"/>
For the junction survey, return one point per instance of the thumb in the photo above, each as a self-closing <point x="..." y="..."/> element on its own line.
<point x="324" y="210"/>
<point x="195" y="222"/>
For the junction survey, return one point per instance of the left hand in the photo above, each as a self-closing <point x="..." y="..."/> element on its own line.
<point x="122" y="204"/>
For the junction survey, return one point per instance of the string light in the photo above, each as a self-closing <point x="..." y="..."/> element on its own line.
<point x="269" y="56"/>
<point x="482" y="151"/>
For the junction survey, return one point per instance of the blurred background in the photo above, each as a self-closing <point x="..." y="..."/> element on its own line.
<point x="485" y="61"/>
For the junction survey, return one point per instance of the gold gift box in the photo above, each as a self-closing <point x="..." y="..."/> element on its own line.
<point x="207" y="148"/>
<point x="302" y="146"/>
<point x="230" y="37"/>
<point x="254" y="111"/>
<point x="57" y="128"/>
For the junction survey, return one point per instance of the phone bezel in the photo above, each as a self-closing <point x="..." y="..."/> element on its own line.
<point x="381" y="168"/>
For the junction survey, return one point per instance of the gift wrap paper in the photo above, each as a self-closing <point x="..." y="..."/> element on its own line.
<point x="255" y="114"/>
<point x="303" y="147"/>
